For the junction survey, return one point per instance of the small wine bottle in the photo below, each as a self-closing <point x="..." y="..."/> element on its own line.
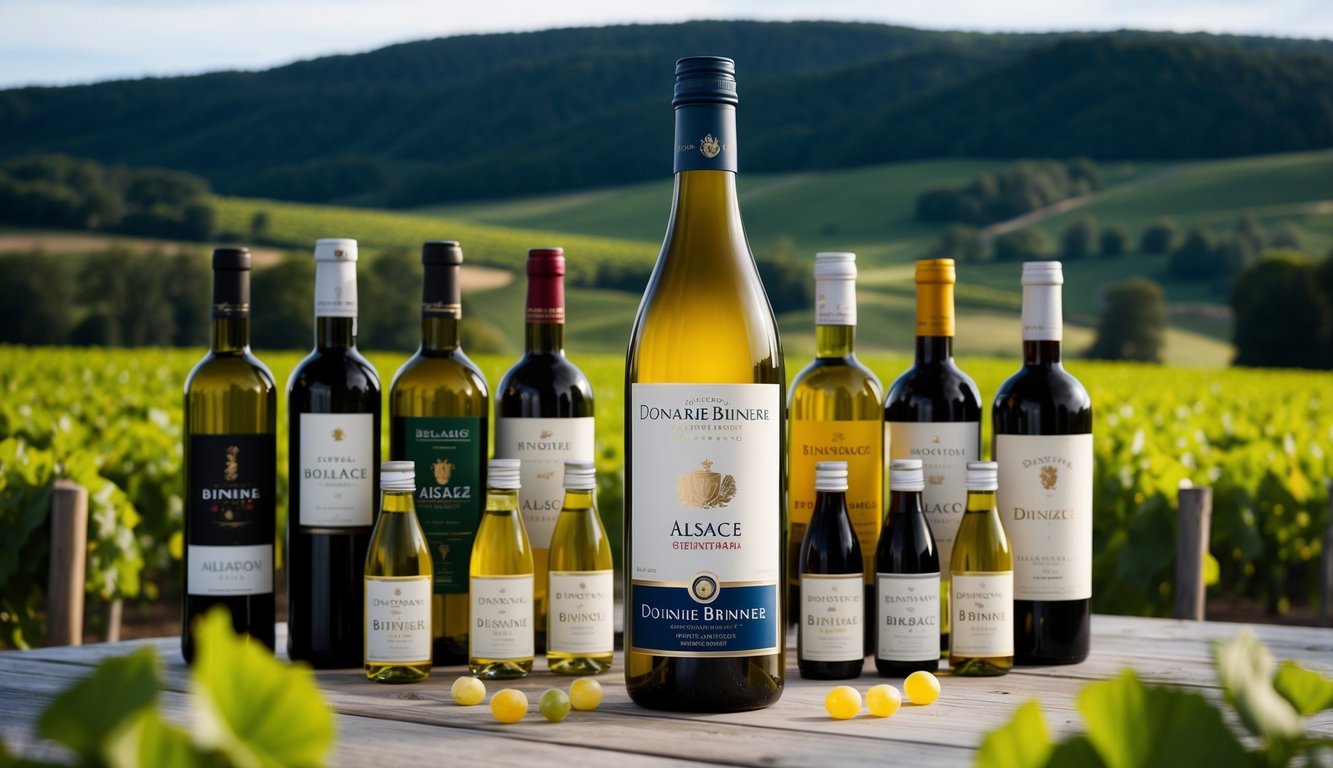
<point x="907" y="580"/>
<point x="580" y="635"/>
<point x="398" y="584"/>
<point x="231" y="414"/>
<point x="500" y="640"/>
<point x="981" y="583"/>
<point x="831" y="634"/>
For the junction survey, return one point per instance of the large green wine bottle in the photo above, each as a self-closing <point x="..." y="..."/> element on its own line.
<point x="704" y="423"/>
<point x="398" y="584"/>
<point x="544" y="413"/>
<point x="500" y="643"/>
<point x="333" y="419"/>
<point x="580" y="636"/>
<point x="1042" y="425"/>
<point x="438" y="406"/>
<point x="981" y="583"/>
<point x="231" y="416"/>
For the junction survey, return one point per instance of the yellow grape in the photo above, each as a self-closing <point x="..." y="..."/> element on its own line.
<point x="585" y="694"/>
<point x="468" y="691"/>
<point x="843" y="702"/>
<point x="921" y="687"/>
<point x="509" y="705"/>
<point x="883" y="700"/>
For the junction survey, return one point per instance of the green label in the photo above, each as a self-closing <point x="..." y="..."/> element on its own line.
<point x="448" y="453"/>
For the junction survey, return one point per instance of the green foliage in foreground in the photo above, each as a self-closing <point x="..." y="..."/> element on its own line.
<point x="1130" y="724"/>
<point x="248" y="710"/>
<point x="111" y="419"/>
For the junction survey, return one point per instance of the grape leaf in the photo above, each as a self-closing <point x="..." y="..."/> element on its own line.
<point x="84" y="716"/>
<point x="145" y="739"/>
<point x="1246" y="668"/>
<point x="1308" y="691"/>
<point x="253" y="708"/>
<point x="1023" y="742"/>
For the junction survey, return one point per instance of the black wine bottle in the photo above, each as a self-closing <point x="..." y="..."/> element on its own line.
<point x="831" y="626"/>
<point x="907" y="580"/>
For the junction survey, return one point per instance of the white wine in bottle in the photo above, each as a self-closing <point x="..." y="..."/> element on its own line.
<point x="398" y="584"/>
<point x="500" y="640"/>
<point x="704" y="423"/>
<point x="981" y="583"/>
<point x="580" y="635"/>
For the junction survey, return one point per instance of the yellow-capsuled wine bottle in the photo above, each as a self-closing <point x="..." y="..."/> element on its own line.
<point x="704" y="508"/>
<point x="981" y="583"/>
<point x="398" y="584"/>
<point x="580" y="635"/>
<point x="500" y="640"/>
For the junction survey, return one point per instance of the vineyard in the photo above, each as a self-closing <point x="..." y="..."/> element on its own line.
<point x="111" y="420"/>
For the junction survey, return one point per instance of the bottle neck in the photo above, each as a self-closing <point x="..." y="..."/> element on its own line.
<point x="501" y="499"/>
<point x="439" y="334"/>
<point x="397" y="502"/>
<point x="335" y="304"/>
<point x="1043" y="324"/>
<point x="441" y="308"/>
<point x="577" y="500"/>
<point x="830" y="505"/>
<point x="934" y="321"/>
<point x="1041" y="353"/>
<point x="934" y="349"/>
<point x="980" y="502"/>
<point x="544" y="330"/>
<point x="835" y="340"/>
<point x="335" y="332"/>
<point x="904" y="504"/>
<point x="231" y="312"/>
<point x="547" y="338"/>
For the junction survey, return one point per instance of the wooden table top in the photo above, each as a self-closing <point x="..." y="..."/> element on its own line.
<point x="413" y="725"/>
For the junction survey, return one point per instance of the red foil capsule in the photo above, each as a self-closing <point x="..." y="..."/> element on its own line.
<point x="546" y="286"/>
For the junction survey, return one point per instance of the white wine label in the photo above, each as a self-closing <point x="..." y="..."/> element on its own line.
<point x="398" y="620"/>
<point x="543" y="446"/>
<point x="907" y="616"/>
<point x="502" y="618"/>
<point x="832" y="617"/>
<point x="579" y="616"/>
<point x="835" y="302"/>
<point x="1045" y="502"/>
<point x="335" y="289"/>
<point x="705" y="552"/>
<point x="944" y="449"/>
<point x="1042" y="314"/>
<point x="240" y="570"/>
<point x="982" y="614"/>
<point x="337" y="472"/>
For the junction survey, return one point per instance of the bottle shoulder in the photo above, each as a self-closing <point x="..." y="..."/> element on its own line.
<point x="241" y="372"/>
<point x="933" y="392"/>
<point x="840" y="375"/>
<point x="344" y="369"/>
<point x="1042" y="384"/>
<point x="454" y="372"/>
<point x="544" y="385"/>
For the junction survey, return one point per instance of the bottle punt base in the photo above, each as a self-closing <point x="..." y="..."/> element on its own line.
<point x="397" y="673"/>
<point x="500" y="669"/>
<point x="571" y="664"/>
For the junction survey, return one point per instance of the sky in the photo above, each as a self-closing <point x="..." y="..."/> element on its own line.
<point x="56" y="42"/>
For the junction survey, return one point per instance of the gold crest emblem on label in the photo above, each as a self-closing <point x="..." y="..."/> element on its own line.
<point x="704" y="488"/>
<point x="710" y="146"/>
<point x="339" y="435"/>
<point x="1049" y="477"/>
<point x="443" y="469"/>
<point x="233" y="469"/>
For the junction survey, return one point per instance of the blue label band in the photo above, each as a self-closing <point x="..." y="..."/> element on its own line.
<point x="729" y="621"/>
<point x="705" y="138"/>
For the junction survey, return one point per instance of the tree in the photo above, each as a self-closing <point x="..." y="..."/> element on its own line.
<point x="1114" y="241"/>
<point x="959" y="242"/>
<point x="1252" y="233"/>
<point x="787" y="279"/>
<point x="1133" y="323"/>
<point x="187" y="290"/>
<point x="36" y="297"/>
<point x="259" y="224"/>
<point x="282" y="298"/>
<point x="1281" y="315"/>
<point x="1287" y="236"/>
<point x="1196" y="258"/>
<point x="1026" y="244"/>
<point x="1161" y="236"/>
<point x="1079" y="239"/>
<point x="390" y="315"/>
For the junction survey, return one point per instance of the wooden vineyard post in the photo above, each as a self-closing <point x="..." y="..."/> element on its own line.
<point x="1194" y="515"/>
<point x="69" y="548"/>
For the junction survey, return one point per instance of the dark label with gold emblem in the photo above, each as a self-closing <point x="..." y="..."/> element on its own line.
<point x="705" y="138"/>
<point x="448" y="453"/>
<point x="230" y="518"/>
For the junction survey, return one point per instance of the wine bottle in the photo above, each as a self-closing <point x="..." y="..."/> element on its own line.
<point x="231" y="419"/>
<point x="580" y="629"/>
<point x="398" y="584"/>
<point x="981" y="583"/>
<point x="834" y="413"/>
<point x="933" y="413"/>
<point x="1042" y="426"/>
<point x="704" y="424"/>
<point x="907" y="579"/>
<point x="333" y="417"/>
<point x="500" y="643"/>
<point x="544" y="413"/>
<point x="831" y="629"/>
<point x="438" y="417"/>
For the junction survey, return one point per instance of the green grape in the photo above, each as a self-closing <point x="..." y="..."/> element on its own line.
<point x="509" y="705"/>
<point x="585" y="694"/>
<point x="468" y="691"/>
<point x="921" y="687"/>
<point x="843" y="702"/>
<point x="883" y="700"/>
<point x="554" y="704"/>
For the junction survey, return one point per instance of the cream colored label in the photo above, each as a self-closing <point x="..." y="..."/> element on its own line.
<point x="1045" y="502"/>
<point x="335" y="289"/>
<point x="832" y="617"/>
<point x="835" y="302"/>
<point x="944" y="449"/>
<point x="982" y="614"/>
<point x="860" y="444"/>
<point x="908" y="616"/>
<point x="240" y="570"/>
<point x="579" y="615"/>
<point x="337" y="454"/>
<point x="397" y="620"/>
<point x="502" y="618"/>
<point x="543" y="446"/>
<point x="1042" y="314"/>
